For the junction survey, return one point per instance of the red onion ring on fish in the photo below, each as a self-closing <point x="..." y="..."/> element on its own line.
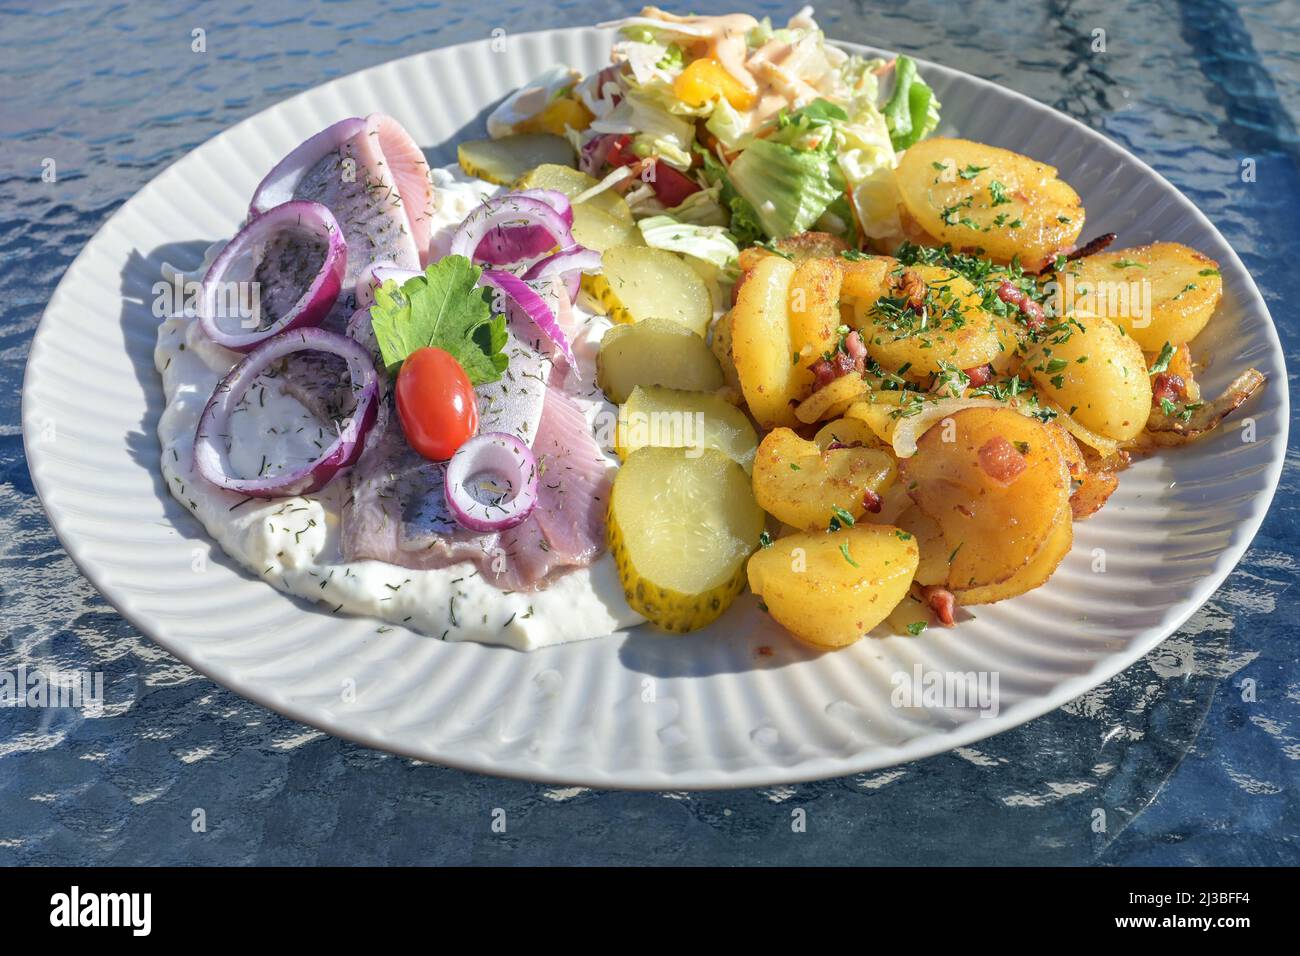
<point x="491" y="482"/>
<point x="264" y="254"/>
<point x="212" y="460"/>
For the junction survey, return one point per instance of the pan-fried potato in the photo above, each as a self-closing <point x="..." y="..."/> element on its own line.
<point x="932" y="568"/>
<point x="953" y="331"/>
<point x="803" y="485"/>
<point x="991" y="527"/>
<point x="806" y="245"/>
<point x="1094" y="490"/>
<point x="865" y="280"/>
<point x="1035" y="572"/>
<point x="720" y="345"/>
<point x="832" y="399"/>
<point x="761" y="346"/>
<point x="975" y="196"/>
<point x="1164" y="292"/>
<point x="680" y="359"/>
<point x="1095" y="373"/>
<point x="846" y="431"/>
<point x="814" y="313"/>
<point x="830" y="589"/>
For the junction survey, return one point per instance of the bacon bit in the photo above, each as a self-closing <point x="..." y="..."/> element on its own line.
<point x="871" y="501"/>
<point x="942" y="602"/>
<point x="1001" y="461"/>
<point x="765" y="651"/>
<point x="852" y="359"/>
<point x="979" y="375"/>
<point x="1031" y="310"/>
<point x="857" y="350"/>
<point x="837" y="445"/>
<point x="825" y="372"/>
<point x="1167" y="387"/>
<point x="1009" y="294"/>
<point x="1092" y="247"/>
<point x="912" y="287"/>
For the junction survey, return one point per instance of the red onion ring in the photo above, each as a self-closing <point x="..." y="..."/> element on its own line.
<point x="278" y="185"/>
<point x="316" y="300"/>
<point x="533" y="305"/>
<point x="567" y="264"/>
<point x="376" y="274"/>
<point x="212" y="461"/>
<point x="508" y="228"/>
<point x="500" y="456"/>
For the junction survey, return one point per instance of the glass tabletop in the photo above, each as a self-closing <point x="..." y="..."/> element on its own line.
<point x="1191" y="756"/>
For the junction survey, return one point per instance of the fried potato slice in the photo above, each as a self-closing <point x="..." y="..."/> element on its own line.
<point x="1164" y="292"/>
<point x="994" y="517"/>
<point x="830" y="589"/>
<point x="975" y="196"/>
<point x="761" y="344"/>
<point x="1096" y="373"/>
<point x="806" y="486"/>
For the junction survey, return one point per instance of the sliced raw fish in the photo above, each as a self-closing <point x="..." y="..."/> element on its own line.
<point x="374" y="179"/>
<point x="398" y="513"/>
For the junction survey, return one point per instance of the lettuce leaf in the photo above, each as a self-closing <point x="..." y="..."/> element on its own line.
<point x="788" y="189"/>
<point x="866" y="159"/>
<point x="913" y="110"/>
<point x="744" y="227"/>
<point x="702" y="208"/>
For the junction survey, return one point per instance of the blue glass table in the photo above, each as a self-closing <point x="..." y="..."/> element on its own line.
<point x="1190" y="756"/>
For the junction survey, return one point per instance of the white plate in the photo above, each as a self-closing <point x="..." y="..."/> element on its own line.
<point x="629" y="710"/>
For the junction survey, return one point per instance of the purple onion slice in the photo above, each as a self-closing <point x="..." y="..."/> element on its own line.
<point x="279" y="185"/>
<point x="288" y="262"/>
<point x="567" y="264"/>
<point x="491" y="482"/>
<point x="376" y="274"/>
<point x="212" y="459"/>
<point x="533" y="305"/>
<point x="516" y="226"/>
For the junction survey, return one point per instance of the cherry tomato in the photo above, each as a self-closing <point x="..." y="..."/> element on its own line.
<point x="435" y="402"/>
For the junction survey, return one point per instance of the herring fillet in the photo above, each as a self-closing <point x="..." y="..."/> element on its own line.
<point x="397" y="513"/>
<point x="377" y="185"/>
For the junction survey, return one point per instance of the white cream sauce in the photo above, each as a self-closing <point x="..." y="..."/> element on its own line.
<point x="293" y="543"/>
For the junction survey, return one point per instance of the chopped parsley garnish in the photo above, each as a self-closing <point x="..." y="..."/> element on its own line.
<point x="844" y="550"/>
<point x="915" y="628"/>
<point x="1163" y="359"/>
<point x="840" y="519"/>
